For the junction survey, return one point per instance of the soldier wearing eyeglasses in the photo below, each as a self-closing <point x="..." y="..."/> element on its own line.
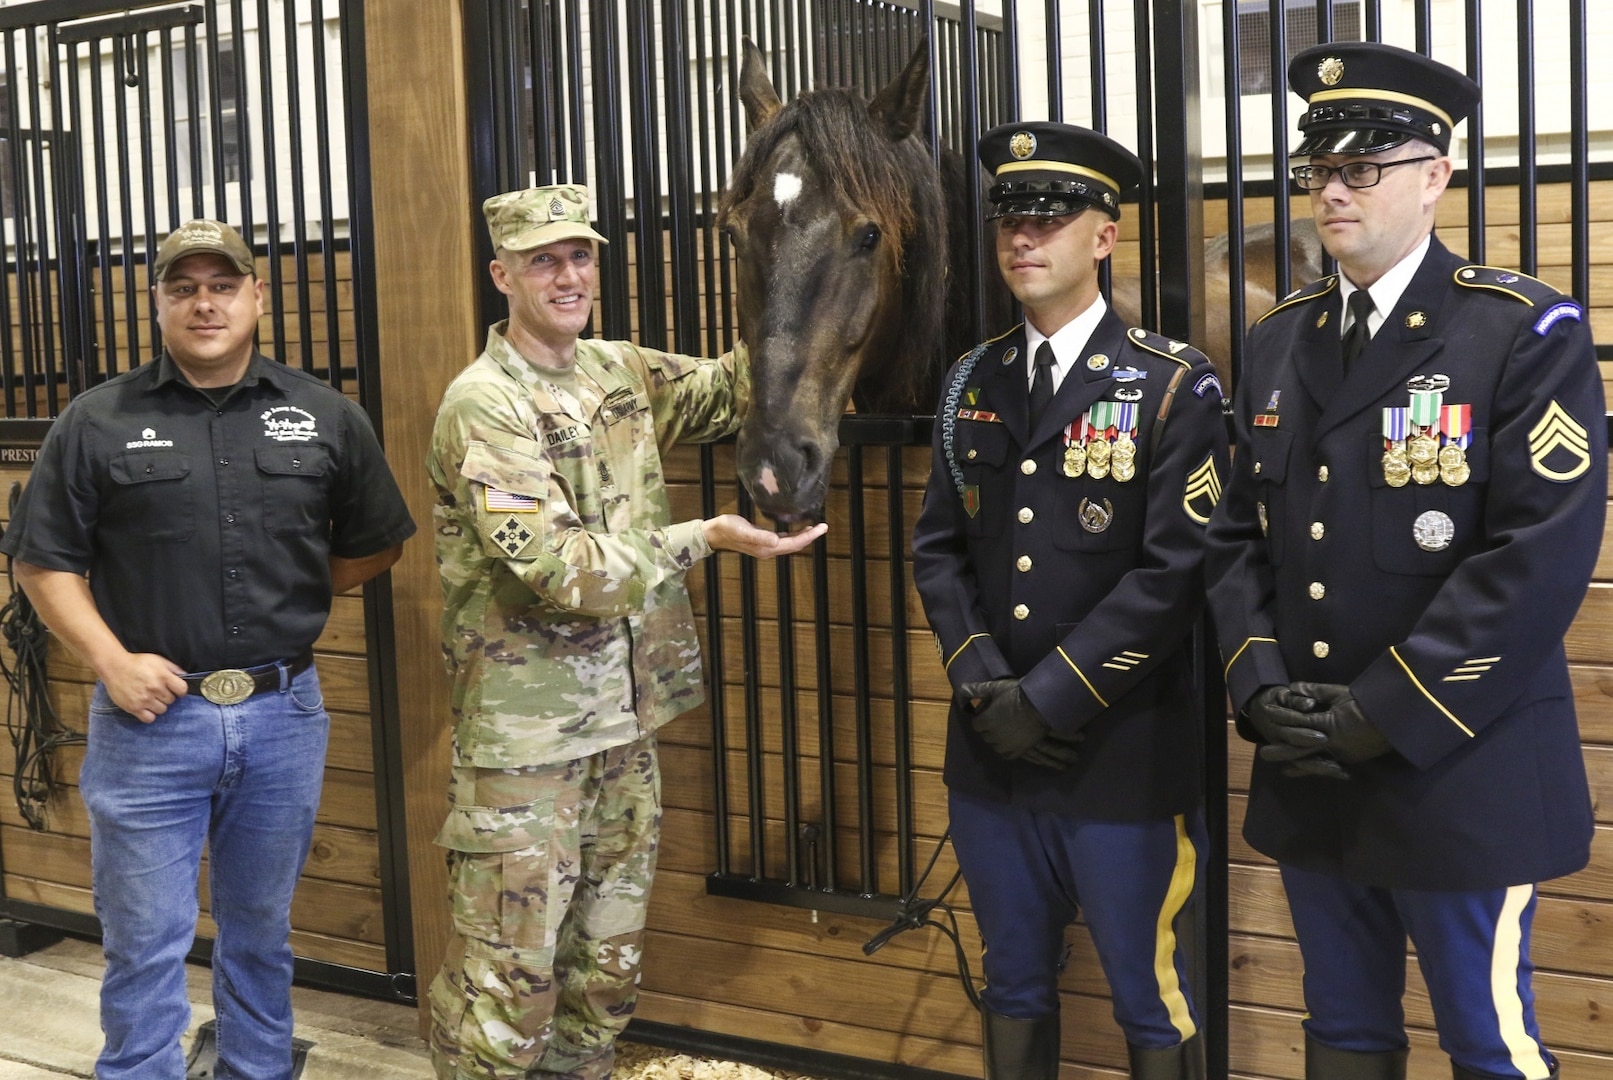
<point x="1413" y="517"/>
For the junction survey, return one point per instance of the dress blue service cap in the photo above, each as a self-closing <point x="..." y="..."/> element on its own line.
<point x="1044" y="169"/>
<point x="1365" y="97"/>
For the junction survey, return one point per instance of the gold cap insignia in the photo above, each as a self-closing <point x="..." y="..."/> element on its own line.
<point x="1330" y="71"/>
<point x="1416" y="320"/>
<point x="1022" y="145"/>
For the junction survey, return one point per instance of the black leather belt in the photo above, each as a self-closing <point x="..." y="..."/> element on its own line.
<point x="231" y="686"/>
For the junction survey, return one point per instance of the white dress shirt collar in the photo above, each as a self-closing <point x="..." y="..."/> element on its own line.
<point x="1069" y="342"/>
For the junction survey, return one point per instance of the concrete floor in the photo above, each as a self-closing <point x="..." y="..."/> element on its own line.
<point x="48" y="1028"/>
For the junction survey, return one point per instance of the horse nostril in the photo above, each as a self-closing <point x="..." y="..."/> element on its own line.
<point x="811" y="459"/>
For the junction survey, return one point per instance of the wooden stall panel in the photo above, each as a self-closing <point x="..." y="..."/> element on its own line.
<point x="336" y="912"/>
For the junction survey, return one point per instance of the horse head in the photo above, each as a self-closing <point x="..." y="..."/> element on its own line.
<point x="836" y="215"/>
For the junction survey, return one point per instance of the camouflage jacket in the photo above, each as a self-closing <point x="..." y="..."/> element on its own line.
<point x="567" y="627"/>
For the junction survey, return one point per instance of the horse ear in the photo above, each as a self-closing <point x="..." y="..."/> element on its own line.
<point x="900" y="106"/>
<point x="756" y="89"/>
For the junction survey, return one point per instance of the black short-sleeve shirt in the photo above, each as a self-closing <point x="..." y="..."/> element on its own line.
<point x="205" y="528"/>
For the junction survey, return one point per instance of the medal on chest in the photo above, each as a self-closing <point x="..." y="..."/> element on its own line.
<point x="1427" y="439"/>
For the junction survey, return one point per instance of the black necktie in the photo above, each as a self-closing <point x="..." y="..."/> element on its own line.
<point x="1357" y="336"/>
<point x="1042" y="383"/>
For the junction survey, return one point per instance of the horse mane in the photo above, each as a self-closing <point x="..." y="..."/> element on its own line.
<point x="898" y="186"/>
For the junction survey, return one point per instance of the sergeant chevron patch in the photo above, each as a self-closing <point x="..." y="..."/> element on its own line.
<point x="1203" y="491"/>
<point x="1559" y="446"/>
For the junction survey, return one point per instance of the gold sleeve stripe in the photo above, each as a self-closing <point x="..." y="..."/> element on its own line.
<point x="1082" y="677"/>
<point x="1250" y="641"/>
<point x="948" y="665"/>
<point x="1418" y="684"/>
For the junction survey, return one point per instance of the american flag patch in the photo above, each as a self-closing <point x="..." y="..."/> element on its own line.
<point x="494" y="499"/>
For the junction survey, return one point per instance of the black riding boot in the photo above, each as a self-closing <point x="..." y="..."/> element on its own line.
<point x="1324" y="1062"/>
<point x="1020" y="1049"/>
<point x="1184" y="1061"/>
<point x="1468" y="1074"/>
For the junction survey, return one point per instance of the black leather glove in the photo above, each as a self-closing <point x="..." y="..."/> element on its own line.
<point x="1277" y="711"/>
<point x="1281" y="715"/>
<point x="1323" y="742"/>
<point x="1350" y="736"/>
<point x="1013" y="727"/>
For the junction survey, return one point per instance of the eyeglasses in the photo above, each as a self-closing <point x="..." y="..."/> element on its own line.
<point x="1356" y="174"/>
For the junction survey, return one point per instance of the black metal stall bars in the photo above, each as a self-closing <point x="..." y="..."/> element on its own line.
<point x="120" y="121"/>
<point x="658" y="165"/>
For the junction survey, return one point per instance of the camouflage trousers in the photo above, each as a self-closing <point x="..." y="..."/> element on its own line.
<point x="550" y="870"/>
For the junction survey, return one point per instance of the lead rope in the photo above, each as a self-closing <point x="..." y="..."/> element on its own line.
<point x="36" y="732"/>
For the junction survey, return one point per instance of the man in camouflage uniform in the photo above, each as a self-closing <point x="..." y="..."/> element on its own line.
<point x="569" y="636"/>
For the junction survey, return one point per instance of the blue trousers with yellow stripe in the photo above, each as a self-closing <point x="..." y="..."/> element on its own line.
<point x="1030" y="873"/>
<point x="1472" y="947"/>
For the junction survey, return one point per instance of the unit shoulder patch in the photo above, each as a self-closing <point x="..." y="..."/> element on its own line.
<point x="1169" y="348"/>
<point x="1521" y="287"/>
<point x="1319" y="287"/>
<point x="509" y="537"/>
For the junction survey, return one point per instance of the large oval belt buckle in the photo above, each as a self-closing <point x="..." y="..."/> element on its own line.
<point x="228" y="686"/>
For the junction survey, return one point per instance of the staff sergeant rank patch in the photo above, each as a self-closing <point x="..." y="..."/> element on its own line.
<point x="1203" y="491"/>
<point x="512" y="537"/>
<point x="1559" y="446"/>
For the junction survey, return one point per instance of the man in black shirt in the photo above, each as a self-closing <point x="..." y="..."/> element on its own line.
<point x="216" y="500"/>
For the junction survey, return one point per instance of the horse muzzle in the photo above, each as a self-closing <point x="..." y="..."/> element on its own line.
<point x="787" y="474"/>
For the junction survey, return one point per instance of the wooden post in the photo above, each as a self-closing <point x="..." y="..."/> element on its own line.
<point x="423" y="228"/>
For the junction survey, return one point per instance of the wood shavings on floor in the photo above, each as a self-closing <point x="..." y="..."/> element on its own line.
<point x="636" y="1061"/>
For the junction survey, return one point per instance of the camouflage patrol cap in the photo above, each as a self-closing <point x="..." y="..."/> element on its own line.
<point x="203" y="235"/>
<point x="529" y="218"/>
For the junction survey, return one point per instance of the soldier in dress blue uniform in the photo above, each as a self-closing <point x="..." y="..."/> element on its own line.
<point x="1412" y="522"/>
<point x="1059" y="558"/>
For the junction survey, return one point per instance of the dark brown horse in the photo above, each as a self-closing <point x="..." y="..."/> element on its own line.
<point x="838" y="219"/>
<point x="843" y="226"/>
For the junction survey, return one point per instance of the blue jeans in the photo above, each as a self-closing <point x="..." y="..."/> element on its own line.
<point x="246" y="777"/>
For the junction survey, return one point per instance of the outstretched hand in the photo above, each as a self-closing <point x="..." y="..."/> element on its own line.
<point x="730" y="532"/>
